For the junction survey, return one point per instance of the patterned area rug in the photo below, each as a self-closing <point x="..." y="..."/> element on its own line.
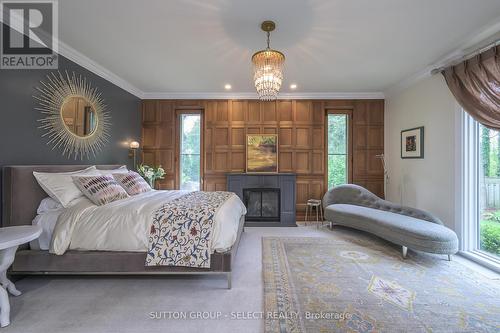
<point x="358" y="283"/>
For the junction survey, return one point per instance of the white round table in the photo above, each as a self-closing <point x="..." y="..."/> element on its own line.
<point x="10" y="239"/>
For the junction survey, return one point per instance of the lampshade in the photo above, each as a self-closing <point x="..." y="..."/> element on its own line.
<point x="134" y="145"/>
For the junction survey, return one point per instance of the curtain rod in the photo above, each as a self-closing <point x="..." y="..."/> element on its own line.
<point x="465" y="57"/>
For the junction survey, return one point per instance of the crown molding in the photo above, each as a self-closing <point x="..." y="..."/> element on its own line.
<point x="252" y="95"/>
<point x="87" y="63"/>
<point x="70" y="53"/>
<point x="479" y="39"/>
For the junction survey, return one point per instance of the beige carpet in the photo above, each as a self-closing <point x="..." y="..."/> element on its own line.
<point x="123" y="304"/>
<point x="113" y="304"/>
<point x="354" y="282"/>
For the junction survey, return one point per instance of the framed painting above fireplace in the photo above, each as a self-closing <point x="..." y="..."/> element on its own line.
<point x="262" y="153"/>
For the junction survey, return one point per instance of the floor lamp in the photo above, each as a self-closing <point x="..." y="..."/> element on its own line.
<point x="386" y="173"/>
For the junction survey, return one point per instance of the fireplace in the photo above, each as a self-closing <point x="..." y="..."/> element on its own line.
<point x="263" y="204"/>
<point x="269" y="198"/>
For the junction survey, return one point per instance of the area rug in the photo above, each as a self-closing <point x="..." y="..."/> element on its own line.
<point x="358" y="283"/>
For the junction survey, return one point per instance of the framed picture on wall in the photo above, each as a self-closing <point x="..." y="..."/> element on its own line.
<point x="412" y="143"/>
<point x="262" y="153"/>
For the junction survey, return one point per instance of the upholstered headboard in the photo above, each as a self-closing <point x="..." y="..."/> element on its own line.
<point x="21" y="193"/>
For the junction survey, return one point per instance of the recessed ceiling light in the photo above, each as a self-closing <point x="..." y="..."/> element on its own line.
<point x="227" y="86"/>
<point x="293" y="86"/>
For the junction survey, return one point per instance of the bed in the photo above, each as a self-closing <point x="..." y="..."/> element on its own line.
<point x="21" y="198"/>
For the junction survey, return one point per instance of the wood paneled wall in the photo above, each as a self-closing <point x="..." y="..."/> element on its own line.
<point x="300" y="125"/>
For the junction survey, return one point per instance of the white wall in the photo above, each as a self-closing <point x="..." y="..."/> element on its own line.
<point x="427" y="183"/>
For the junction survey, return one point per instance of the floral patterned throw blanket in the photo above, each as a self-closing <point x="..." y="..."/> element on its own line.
<point x="181" y="233"/>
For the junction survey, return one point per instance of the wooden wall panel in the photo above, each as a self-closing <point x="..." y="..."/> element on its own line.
<point x="303" y="138"/>
<point x="268" y="110"/>
<point x="221" y="135"/>
<point x="303" y="112"/>
<point x="158" y="130"/>
<point x="238" y="110"/>
<point x="368" y="142"/>
<point x="285" y="111"/>
<point x="300" y="125"/>
<point x="149" y="111"/>
<point x="238" y="137"/>
<point x="286" y="137"/>
<point x="149" y="137"/>
<point x="308" y="187"/>
<point x="285" y="161"/>
<point x="253" y="115"/>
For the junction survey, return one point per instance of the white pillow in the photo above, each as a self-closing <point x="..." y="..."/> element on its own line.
<point x="60" y="186"/>
<point x="122" y="169"/>
<point x="48" y="204"/>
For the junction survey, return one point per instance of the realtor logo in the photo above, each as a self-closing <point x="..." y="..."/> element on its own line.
<point x="29" y="35"/>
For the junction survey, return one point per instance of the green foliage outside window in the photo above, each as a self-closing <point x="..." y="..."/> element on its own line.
<point x="489" y="227"/>
<point x="190" y="152"/>
<point x="490" y="152"/>
<point x="337" y="149"/>
<point x="490" y="236"/>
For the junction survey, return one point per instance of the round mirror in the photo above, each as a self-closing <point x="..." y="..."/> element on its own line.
<point x="74" y="115"/>
<point x="78" y="116"/>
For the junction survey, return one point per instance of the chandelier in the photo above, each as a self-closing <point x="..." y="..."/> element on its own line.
<point x="268" y="68"/>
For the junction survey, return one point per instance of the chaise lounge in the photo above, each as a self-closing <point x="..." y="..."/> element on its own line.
<point x="356" y="207"/>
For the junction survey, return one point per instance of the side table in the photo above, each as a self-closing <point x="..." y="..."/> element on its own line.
<point x="10" y="239"/>
<point x="314" y="204"/>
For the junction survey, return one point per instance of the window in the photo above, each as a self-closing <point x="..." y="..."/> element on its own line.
<point x="337" y="141"/>
<point x="488" y="228"/>
<point x="190" y="152"/>
<point x="479" y="192"/>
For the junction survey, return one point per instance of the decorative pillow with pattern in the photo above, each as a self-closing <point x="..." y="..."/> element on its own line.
<point x="132" y="182"/>
<point x="101" y="189"/>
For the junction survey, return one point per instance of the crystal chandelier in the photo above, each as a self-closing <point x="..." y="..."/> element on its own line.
<point x="268" y="68"/>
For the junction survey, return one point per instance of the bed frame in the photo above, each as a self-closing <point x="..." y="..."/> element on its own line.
<point x="21" y="197"/>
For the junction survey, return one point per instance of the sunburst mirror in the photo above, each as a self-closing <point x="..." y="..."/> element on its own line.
<point x="74" y="115"/>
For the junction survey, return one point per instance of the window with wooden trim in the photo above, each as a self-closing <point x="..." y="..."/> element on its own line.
<point x="338" y="149"/>
<point x="190" y="152"/>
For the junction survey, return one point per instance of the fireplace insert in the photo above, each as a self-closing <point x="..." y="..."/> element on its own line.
<point x="263" y="204"/>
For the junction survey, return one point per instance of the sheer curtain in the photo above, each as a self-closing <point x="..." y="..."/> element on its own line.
<point x="475" y="83"/>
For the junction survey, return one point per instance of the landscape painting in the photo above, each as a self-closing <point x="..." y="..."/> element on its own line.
<point x="262" y="153"/>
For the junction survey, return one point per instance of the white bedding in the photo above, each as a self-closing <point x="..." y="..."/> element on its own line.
<point x="47" y="221"/>
<point x="124" y="225"/>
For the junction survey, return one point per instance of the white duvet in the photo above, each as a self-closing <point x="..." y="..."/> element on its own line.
<point x="124" y="225"/>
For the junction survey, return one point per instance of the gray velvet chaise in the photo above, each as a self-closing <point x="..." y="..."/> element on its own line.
<point x="356" y="207"/>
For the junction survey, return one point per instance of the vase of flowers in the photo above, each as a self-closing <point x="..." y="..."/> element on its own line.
<point x="151" y="174"/>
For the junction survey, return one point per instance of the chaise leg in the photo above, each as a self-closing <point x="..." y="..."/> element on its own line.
<point x="404" y="251"/>
<point x="228" y="275"/>
<point x="449" y="257"/>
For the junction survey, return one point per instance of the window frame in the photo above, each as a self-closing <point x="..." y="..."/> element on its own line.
<point x="178" y="139"/>
<point x="468" y="194"/>
<point x="348" y="113"/>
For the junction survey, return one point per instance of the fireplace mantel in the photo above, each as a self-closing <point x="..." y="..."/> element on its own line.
<point x="285" y="182"/>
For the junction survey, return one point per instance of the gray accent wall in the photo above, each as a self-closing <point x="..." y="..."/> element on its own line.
<point x="21" y="141"/>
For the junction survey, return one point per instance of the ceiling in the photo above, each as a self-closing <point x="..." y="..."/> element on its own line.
<point x="197" y="46"/>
